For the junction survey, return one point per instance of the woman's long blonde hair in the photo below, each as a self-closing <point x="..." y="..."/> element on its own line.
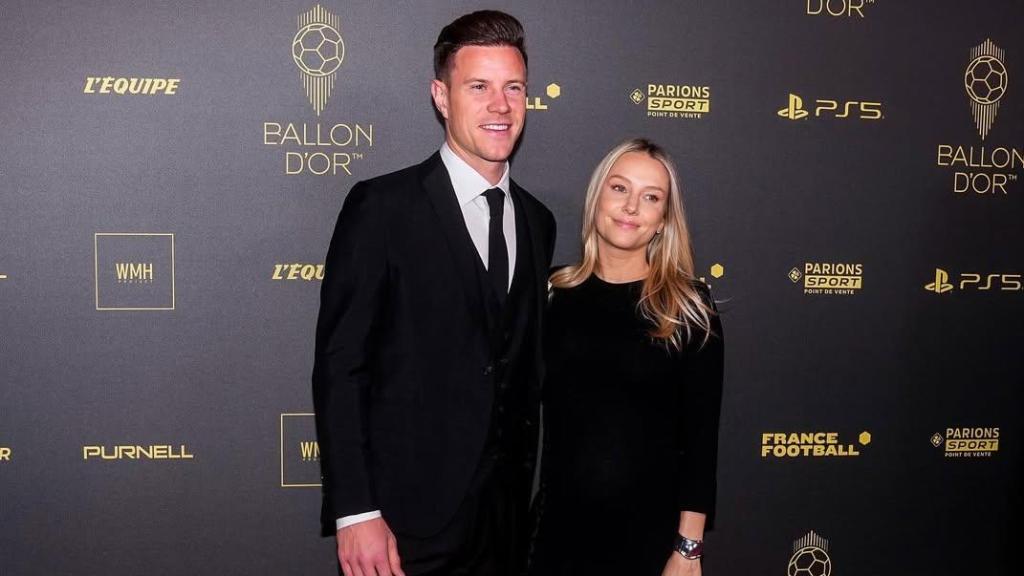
<point x="669" y="299"/>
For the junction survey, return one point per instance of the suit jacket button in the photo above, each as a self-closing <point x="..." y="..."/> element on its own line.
<point x="488" y="370"/>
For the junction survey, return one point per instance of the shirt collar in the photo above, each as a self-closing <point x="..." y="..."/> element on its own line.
<point x="467" y="182"/>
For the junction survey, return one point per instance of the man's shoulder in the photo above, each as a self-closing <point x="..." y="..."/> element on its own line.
<point x="404" y="180"/>
<point x="529" y="198"/>
<point x="530" y="202"/>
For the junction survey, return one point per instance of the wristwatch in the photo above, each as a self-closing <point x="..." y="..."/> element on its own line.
<point x="689" y="549"/>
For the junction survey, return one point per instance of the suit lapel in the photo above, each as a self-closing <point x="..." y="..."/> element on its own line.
<point x="438" y="186"/>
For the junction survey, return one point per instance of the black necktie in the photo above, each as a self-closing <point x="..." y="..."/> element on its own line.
<point x="497" y="253"/>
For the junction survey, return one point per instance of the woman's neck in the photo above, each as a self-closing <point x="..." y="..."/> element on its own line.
<point x="619" y="268"/>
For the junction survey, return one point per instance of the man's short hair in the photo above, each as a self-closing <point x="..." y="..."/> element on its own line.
<point x="482" y="28"/>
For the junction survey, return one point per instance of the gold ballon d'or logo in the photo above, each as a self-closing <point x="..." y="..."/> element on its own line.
<point x="985" y="81"/>
<point x="318" y="50"/>
<point x="810" y="557"/>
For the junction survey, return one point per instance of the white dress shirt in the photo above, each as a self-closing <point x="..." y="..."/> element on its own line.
<point x="469" y="188"/>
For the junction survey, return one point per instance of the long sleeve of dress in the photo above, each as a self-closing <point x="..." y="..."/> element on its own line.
<point x="698" y="409"/>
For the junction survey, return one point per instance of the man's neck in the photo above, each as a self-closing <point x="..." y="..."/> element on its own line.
<point x="491" y="171"/>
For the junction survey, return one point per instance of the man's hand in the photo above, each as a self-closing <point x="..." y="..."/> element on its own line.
<point x="679" y="566"/>
<point x="369" y="549"/>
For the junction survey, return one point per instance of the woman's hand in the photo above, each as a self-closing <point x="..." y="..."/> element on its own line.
<point x="679" y="566"/>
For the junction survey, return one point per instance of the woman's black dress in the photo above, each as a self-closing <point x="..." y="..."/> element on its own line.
<point x="630" y="434"/>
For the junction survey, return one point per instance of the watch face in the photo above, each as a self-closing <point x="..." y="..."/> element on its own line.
<point x="691" y="549"/>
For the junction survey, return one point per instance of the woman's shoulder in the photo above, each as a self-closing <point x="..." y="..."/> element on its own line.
<point x="558" y="268"/>
<point x="703" y="289"/>
<point x="553" y="280"/>
<point x="558" y="275"/>
<point x="564" y="284"/>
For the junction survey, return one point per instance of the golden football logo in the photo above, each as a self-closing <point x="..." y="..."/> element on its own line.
<point x="985" y="81"/>
<point x="810" y="557"/>
<point x="318" y="51"/>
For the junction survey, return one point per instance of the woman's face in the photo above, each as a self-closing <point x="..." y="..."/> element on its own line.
<point x="631" y="204"/>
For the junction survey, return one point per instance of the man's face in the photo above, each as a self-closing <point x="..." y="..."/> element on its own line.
<point x="484" y="105"/>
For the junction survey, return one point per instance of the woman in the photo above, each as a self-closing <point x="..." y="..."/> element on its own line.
<point x="633" y="388"/>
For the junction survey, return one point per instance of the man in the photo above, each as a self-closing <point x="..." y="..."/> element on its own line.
<point x="428" y="340"/>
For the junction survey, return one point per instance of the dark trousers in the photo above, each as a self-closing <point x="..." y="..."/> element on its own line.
<point x="485" y="538"/>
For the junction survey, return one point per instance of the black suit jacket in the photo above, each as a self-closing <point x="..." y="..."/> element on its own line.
<point x="401" y="383"/>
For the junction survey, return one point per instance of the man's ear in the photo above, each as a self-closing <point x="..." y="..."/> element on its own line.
<point x="439" y="91"/>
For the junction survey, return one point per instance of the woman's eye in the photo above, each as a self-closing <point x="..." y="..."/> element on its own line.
<point x="653" y="198"/>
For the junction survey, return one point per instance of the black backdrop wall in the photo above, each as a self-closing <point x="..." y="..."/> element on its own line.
<point x="170" y="173"/>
